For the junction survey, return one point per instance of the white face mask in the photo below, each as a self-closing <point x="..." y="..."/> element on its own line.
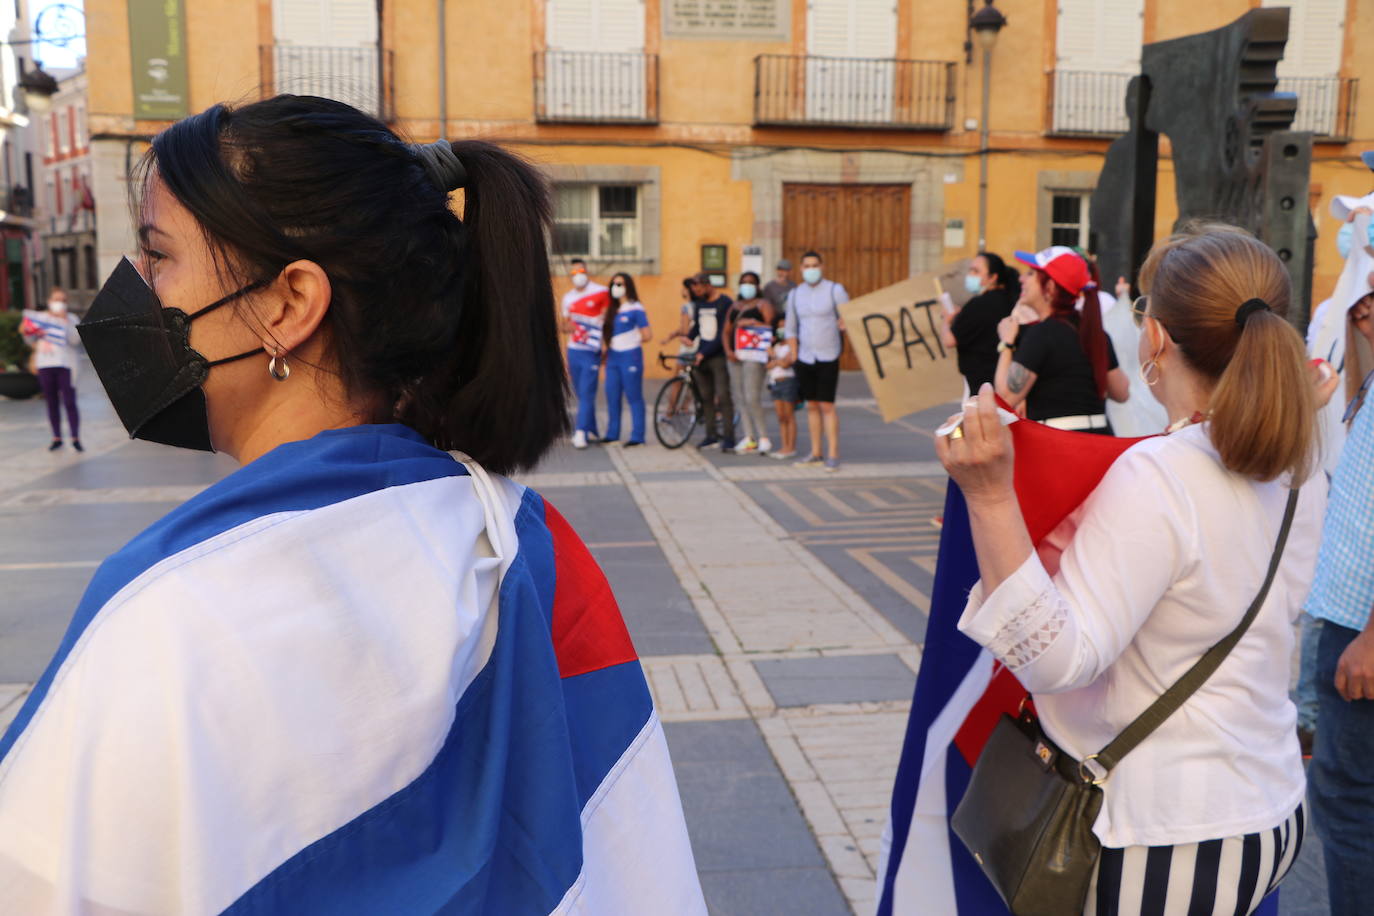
<point x="57" y="307"/>
<point x="617" y="291"/>
<point x="579" y="280"/>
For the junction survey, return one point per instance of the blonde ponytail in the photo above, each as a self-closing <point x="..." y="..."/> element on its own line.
<point x="1262" y="406"/>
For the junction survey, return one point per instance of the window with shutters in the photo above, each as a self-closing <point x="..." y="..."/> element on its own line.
<point x="328" y="48"/>
<point x="1311" y="63"/>
<point x="594" y="67"/>
<point x="1097" y="51"/>
<point x="597" y="221"/>
<point x="851" y="47"/>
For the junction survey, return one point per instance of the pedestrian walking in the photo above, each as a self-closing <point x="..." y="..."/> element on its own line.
<point x="626" y="332"/>
<point x="1342" y="771"/>
<point x="813" y="320"/>
<point x="782" y="386"/>
<point x="52" y="334"/>
<point x="748" y="335"/>
<point x="1156" y="568"/>
<point x="776" y="289"/>
<point x="364" y="673"/>
<point x="972" y="329"/>
<point x="1062" y="367"/>
<point x="709" y="309"/>
<point x="584" y="309"/>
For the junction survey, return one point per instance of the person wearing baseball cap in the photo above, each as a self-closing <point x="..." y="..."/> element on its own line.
<point x="1062" y="366"/>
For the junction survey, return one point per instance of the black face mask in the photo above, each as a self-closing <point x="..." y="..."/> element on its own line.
<point x="142" y="353"/>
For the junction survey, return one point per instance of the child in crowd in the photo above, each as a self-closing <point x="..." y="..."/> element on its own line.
<point x="782" y="385"/>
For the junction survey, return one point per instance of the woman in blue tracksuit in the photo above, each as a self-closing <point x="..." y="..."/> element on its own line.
<point x="625" y="331"/>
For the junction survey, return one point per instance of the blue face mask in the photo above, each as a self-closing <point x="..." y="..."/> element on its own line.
<point x="811" y="275"/>
<point x="1347" y="234"/>
<point x="748" y="290"/>
<point x="972" y="284"/>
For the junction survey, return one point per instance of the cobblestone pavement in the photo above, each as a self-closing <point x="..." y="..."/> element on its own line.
<point x="779" y="611"/>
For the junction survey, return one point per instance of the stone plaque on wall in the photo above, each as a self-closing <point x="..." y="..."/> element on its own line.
<point x="759" y="20"/>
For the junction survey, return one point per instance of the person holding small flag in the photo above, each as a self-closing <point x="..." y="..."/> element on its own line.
<point x="748" y="335"/>
<point x="52" y="334"/>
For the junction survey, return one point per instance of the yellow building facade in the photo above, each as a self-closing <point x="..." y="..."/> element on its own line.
<point x="673" y="127"/>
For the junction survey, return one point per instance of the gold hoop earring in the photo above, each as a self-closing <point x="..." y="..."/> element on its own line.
<point x="278" y="368"/>
<point x="1150" y="366"/>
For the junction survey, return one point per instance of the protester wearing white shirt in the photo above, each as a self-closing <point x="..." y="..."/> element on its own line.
<point x="1157" y="566"/>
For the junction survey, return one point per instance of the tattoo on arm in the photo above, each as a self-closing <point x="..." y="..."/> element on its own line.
<point x="1018" y="378"/>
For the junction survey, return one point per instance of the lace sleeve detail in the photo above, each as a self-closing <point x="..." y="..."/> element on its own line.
<point x="1032" y="630"/>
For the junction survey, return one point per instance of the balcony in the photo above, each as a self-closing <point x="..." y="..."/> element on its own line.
<point x="595" y="87"/>
<point x="1326" y="105"/>
<point x="1088" y="103"/>
<point x="853" y="92"/>
<point x="360" y="75"/>
<point x="1093" y="104"/>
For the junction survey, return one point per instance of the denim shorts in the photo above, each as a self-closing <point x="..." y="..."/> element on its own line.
<point x="785" y="390"/>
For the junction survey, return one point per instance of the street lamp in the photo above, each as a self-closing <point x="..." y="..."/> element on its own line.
<point x="985" y="23"/>
<point x="38" y="87"/>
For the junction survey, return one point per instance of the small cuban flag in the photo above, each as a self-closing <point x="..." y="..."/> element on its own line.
<point x="752" y="343"/>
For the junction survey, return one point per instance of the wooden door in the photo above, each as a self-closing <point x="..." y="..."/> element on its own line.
<point x="862" y="231"/>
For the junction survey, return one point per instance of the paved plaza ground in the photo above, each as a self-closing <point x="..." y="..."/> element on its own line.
<point x="779" y="612"/>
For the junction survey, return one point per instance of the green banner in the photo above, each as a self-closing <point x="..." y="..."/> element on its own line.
<point x="157" y="44"/>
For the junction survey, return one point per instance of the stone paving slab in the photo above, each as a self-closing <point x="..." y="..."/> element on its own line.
<point x="837" y="679"/>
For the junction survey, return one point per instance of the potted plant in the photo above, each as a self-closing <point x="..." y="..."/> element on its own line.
<point x="16" y="381"/>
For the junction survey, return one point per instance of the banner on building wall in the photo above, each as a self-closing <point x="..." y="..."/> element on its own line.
<point x="895" y="332"/>
<point x="157" y="45"/>
<point x="756" y="20"/>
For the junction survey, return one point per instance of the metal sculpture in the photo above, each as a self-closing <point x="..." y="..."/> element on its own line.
<point x="1235" y="159"/>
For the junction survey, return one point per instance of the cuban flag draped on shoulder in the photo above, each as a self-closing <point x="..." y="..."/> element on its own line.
<point x="962" y="691"/>
<point x="52" y="328"/>
<point x="354" y="677"/>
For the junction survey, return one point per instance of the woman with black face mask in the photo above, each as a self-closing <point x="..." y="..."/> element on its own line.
<point x="364" y="673"/>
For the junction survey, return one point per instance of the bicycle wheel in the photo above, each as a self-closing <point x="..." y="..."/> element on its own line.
<point x="675" y="413"/>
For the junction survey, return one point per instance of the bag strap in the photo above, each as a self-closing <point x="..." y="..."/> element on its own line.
<point x="1169" y="702"/>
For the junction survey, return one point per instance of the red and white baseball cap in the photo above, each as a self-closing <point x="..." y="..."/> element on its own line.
<point x="1064" y="265"/>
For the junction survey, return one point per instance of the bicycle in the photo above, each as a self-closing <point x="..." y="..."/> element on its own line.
<point x="677" y="407"/>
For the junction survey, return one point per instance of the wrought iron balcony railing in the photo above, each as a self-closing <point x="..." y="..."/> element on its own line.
<point x="359" y="75"/>
<point x="1093" y="103"/>
<point x="853" y="92"/>
<point x="595" y="87"/>
<point x="1326" y="105"/>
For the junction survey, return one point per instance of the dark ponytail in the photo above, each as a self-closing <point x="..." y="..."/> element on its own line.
<point x="1006" y="277"/>
<point x="502" y="394"/>
<point x="443" y="324"/>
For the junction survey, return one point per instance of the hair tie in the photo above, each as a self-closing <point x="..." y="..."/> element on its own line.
<point x="441" y="164"/>
<point x="1248" y="308"/>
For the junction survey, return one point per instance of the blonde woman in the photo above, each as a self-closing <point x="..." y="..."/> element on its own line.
<point x="1205" y="815"/>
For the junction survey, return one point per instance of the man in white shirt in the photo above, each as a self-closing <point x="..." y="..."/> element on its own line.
<point x="584" y="307"/>
<point x="813" y="321"/>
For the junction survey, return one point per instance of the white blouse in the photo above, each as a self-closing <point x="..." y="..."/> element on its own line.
<point x="1157" y="565"/>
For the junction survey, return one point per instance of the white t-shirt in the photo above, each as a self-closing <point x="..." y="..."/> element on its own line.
<point x="780" y="351"/>
<point x="1158" y="564"/>
<point x="56" y="347"/>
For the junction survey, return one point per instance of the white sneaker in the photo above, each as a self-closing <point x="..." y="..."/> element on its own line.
<point x="765" y="445"/>
<point x="579" y="439"/>
<point x="746" y="446"/>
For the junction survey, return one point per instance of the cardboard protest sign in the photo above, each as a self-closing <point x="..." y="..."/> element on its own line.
<point x="895" y="332"/>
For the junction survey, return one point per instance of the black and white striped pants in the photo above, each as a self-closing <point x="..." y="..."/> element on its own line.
<point x="1227" y="877"/>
